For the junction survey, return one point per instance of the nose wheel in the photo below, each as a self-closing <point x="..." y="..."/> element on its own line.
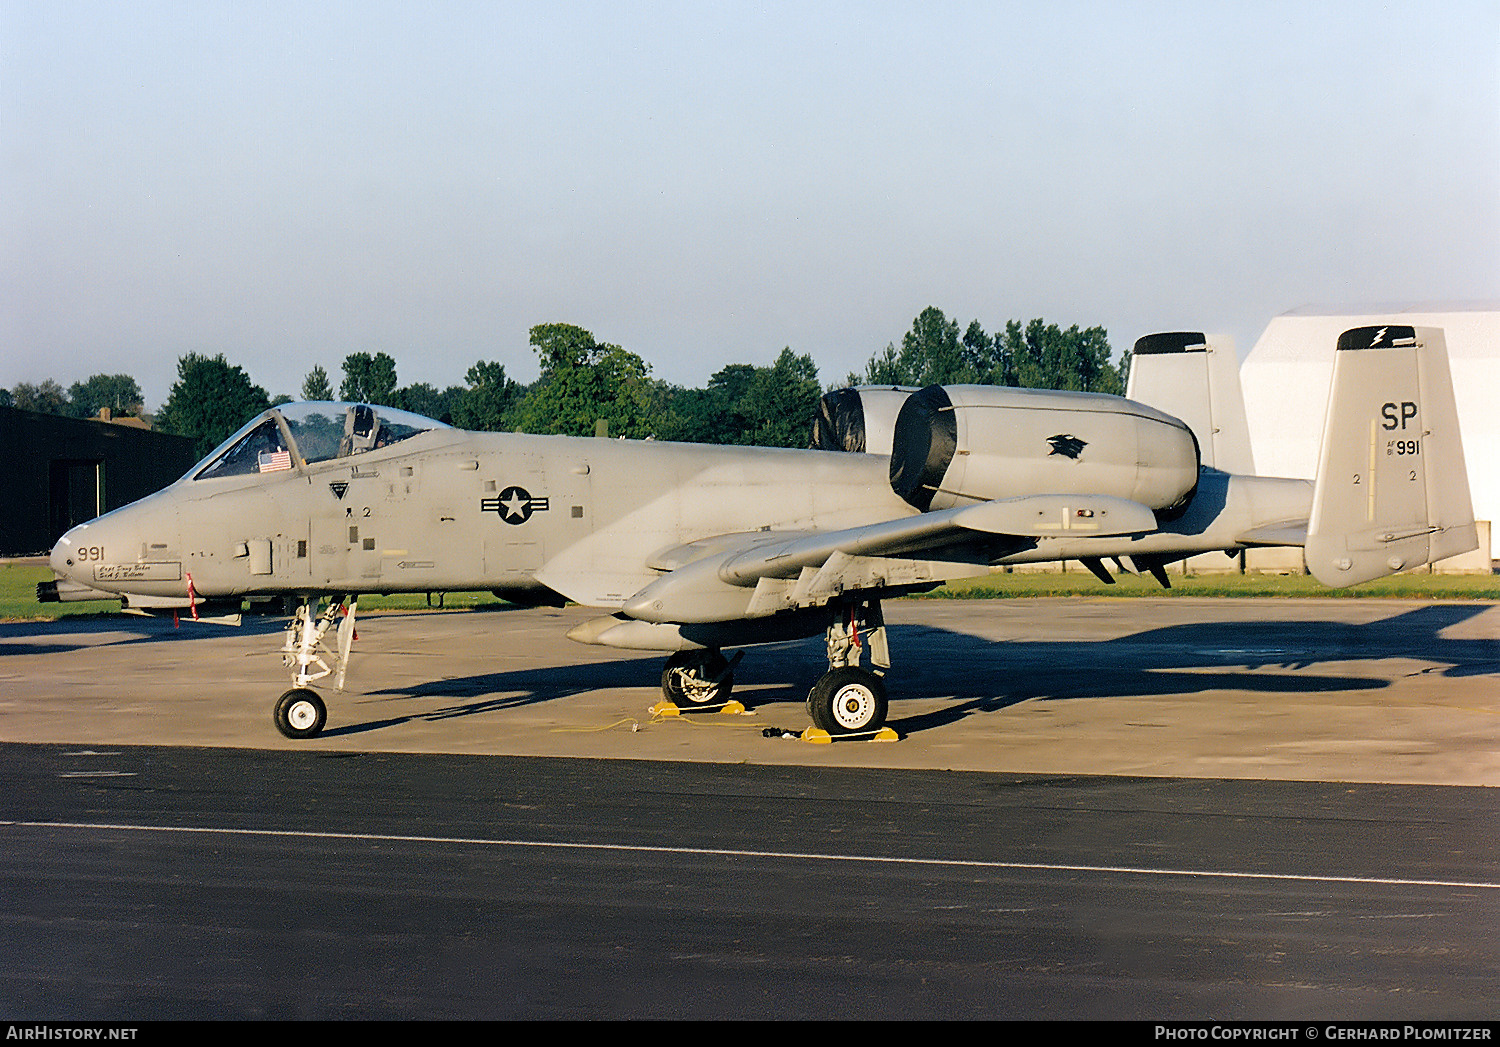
<point x="300" y="713"/>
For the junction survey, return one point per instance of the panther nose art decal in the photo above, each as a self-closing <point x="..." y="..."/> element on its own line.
<point x="1067" y="445"/>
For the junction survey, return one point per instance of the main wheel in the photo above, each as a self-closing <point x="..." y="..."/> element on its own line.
<point x="300" y="713"/>
<point x="848" y="701"/>
<point x="692" y="678"/>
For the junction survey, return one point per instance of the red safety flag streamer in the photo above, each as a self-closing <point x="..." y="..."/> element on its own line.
<point x="192" y="598"/>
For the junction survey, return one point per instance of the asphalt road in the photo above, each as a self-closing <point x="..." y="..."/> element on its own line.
<point x="159" y="882"/>
<point x="1152" y="809"/>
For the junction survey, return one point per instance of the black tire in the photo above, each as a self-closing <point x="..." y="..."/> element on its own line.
<point x="300" y="713"/>
<point x="848" y="701"/>
<point x="686" y="680"/>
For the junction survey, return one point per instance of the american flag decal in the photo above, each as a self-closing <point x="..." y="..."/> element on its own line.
<point x="275" y="461"/>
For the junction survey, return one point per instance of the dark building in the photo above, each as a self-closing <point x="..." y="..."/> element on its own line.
<point x="58" y="472"/>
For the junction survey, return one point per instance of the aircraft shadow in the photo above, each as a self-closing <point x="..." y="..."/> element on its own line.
<point x="1184" y="660"/>
<point x="76" y="632"/>
<point x="979" y="675"/>
<point x="495" y="692"/>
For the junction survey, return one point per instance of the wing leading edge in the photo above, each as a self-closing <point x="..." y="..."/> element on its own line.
<point x="762" y="573"/>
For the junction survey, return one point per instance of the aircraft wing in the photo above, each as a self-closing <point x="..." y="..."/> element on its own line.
<point x="762" y="572"/>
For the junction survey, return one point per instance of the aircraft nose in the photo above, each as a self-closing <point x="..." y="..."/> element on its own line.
<point x="99" y="559"/>
<point x="71" y="571"/>
<point x="64" y="558"/>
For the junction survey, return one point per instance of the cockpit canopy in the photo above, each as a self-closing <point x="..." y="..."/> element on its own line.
<point x="312" y="432"/>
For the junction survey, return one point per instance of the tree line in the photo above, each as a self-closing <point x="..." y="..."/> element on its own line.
<point x="118" y="392"/>
<point x="1037" y="355"/>
<point x="587" y="386"/>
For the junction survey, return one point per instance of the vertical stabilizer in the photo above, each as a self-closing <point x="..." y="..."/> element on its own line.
<point x="1392" y="490"/>
<point x="1196" y="377"/>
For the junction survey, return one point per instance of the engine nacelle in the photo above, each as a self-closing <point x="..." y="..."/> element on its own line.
<point x="972" y="443"/>
<point x="860" y="418"/>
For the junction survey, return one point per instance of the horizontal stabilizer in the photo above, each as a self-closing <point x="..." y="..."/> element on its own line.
<point x="1392" y="491"/>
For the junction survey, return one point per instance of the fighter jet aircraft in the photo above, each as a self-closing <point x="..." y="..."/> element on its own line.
<point x="692" y="549"/>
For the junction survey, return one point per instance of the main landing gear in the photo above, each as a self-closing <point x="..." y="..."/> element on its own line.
<point x="700" y="678"/>
<point x="847" y="700"/>
<point x="300" y="712"/>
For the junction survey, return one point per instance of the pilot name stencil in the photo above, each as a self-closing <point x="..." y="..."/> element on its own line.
<point x="515" y="505"/>
<point x="159" y="571"/>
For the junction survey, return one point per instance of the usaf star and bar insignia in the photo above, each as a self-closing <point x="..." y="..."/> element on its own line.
<point x="515" y="505"/>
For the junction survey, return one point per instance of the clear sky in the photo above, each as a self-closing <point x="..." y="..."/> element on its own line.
<point x="705" y="183"/>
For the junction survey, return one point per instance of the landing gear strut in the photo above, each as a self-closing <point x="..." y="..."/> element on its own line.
<point x="300" y="712"/>
<point x="849" y="699"/>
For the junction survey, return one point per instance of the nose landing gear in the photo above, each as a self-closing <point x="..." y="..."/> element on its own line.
<point x="300" y="713"/>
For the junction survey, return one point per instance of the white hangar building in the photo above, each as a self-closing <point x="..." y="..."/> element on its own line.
<point x="1287" y="375"/>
